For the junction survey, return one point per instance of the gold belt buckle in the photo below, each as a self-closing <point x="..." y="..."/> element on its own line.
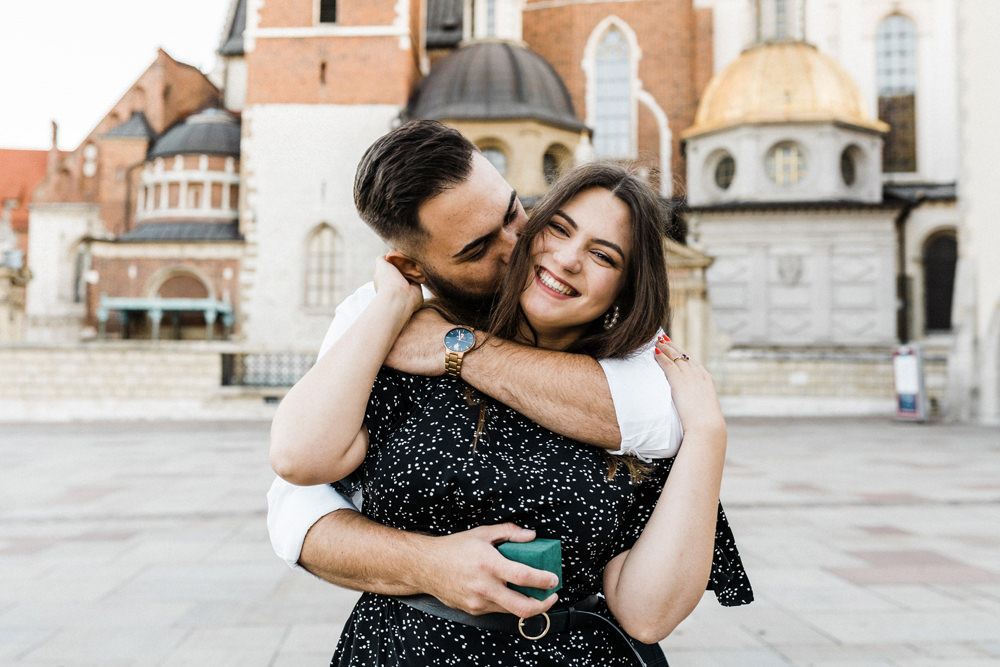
<point x="548" y="624"/>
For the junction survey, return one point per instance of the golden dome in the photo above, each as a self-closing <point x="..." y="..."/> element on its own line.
<point x="781" y="82"/>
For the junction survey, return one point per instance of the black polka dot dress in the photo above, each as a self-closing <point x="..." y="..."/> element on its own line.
<point x="428" y="471"/>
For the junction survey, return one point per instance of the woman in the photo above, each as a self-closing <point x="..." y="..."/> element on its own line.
<point x="588" y="275"/>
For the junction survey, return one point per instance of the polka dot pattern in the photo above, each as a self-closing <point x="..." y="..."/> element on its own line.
<point x="426" y="471"/>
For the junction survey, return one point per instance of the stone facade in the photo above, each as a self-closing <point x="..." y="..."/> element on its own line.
<point x="123" y="380"/>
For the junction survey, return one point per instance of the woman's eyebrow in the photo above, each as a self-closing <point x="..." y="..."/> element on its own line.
<point x="568" y="219"/>
<point x="611" y="244"/>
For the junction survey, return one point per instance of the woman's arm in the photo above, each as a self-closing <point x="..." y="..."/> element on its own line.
<point x="653" y="586"/>
<point x="318" y="434"/>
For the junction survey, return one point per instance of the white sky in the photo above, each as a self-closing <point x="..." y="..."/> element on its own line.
<point x="71" y="60"/>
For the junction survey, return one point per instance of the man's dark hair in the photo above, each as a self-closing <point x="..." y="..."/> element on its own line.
<point x="404" y="168"/>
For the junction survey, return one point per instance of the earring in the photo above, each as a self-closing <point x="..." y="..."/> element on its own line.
<point x="611" y="318"/>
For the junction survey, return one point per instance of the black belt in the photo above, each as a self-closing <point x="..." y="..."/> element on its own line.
<point x="578" y="615"/>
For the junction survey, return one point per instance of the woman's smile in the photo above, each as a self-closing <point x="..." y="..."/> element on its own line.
<point x="547" y="280"/>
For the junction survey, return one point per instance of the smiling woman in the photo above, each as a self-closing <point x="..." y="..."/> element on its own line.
<point x="579" y="262"/>
<point x="593" y="243"/>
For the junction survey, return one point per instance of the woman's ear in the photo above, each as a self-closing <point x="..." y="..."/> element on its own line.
<point x="407" y="266"/>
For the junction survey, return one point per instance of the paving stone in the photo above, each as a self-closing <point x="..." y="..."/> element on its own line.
<point x="143" y="543"/>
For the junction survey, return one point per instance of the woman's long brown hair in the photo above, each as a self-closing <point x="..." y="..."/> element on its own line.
<point x="644" y="300"/>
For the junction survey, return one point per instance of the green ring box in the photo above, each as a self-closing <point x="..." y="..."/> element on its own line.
<point x="541" y="554"/>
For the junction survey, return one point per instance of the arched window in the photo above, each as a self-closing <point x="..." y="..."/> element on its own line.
<point x="613" y="108"/>
<point x="896" y="78"/>
<point x="322" y="253"/>
<point x="940" y="255"/>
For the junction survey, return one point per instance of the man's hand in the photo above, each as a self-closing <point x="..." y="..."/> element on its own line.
<point x="469" y="573"/>
<point x="419" y="349"/>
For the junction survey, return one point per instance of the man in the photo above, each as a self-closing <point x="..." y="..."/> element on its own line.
<point x="451" y="221"/>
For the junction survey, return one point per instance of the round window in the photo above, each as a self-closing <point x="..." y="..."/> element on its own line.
<point x="786" y="165"/>
<point x="725" y="170"/>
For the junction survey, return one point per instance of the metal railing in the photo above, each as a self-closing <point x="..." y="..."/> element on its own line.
<point x="265" y="369"/>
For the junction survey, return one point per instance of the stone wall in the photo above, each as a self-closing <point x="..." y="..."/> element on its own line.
<point x="124" y="380"/>
<point x="183" y="380"/>
<point x="772" y="381"/>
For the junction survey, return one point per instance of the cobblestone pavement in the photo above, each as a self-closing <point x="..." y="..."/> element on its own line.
<point x="868" y="542"/>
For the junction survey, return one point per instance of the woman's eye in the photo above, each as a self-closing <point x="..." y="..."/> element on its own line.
<point x="604" y="258"/>
<point x="557" y="228"/>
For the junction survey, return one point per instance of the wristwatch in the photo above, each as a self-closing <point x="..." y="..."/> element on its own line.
<point x="457" y="342"/>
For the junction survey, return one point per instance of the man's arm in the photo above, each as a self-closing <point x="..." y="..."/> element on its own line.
<point x="618" y="403"/>
<point x="318" y="529"/>
<point x="463" y="570"/>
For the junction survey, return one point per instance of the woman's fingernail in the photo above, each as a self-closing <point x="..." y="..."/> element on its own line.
<point x="667" y="338"/>
<point x="657" y="350"/>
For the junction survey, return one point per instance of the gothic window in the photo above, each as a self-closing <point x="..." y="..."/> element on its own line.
<point x="613" y="110"/>
<point x="940" y="255"/>
<point x="896" y="79"/>
<point x="785" y="163"/>
<point x="327" y="11"/>
<point x="322" y="251"/>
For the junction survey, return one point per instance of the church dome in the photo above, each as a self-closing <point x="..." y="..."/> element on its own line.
<point x="209" y="132"/>
<point x="781" y="82"/>
<point x="494" y="80"/>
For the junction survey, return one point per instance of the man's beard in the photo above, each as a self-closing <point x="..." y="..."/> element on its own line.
<point x="473" y="307"/>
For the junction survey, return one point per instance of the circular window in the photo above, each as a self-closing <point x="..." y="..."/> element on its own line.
<point x="848" y="167"/>
<point x="497" y="158"/>
<point x="725" y="170"/>
<point x="786" y="165"/>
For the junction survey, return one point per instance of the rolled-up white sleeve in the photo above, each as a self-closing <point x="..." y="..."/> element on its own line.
<point x="292" y="511"/>
<point x="649" y="423"/>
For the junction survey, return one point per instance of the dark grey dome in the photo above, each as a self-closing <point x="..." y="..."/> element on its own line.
<point x="493" y="81"/>
<point x="210" y="132"/>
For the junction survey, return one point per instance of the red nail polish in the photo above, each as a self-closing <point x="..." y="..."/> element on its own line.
<point x="657" y="350"/>
<point x="667" y="338"/>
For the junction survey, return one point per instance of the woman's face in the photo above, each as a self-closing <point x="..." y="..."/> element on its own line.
<point x="579" y="261"/>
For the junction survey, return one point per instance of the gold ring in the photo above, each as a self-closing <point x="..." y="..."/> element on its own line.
<point x="683" y="357"/>
<point x="548" y="624"/>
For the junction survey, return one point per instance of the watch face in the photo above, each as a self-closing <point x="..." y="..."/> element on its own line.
<point x="459" y="339"/>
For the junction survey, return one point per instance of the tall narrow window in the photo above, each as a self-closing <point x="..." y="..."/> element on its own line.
<point x="613" y="111"/>
<point x="940" y="256"/>
<point x="491" y="18"/>
<point x="327" y="11"/>
<point x="321" y="268"/>
<point x="781" y="19"/>
<point x="896" y="78"/>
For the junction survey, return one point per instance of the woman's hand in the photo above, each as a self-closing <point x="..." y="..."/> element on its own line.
<point x="390" y="283"/>
<point x="691" y="386"/>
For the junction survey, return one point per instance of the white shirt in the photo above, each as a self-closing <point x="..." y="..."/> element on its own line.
<point x="639" y="390"/>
